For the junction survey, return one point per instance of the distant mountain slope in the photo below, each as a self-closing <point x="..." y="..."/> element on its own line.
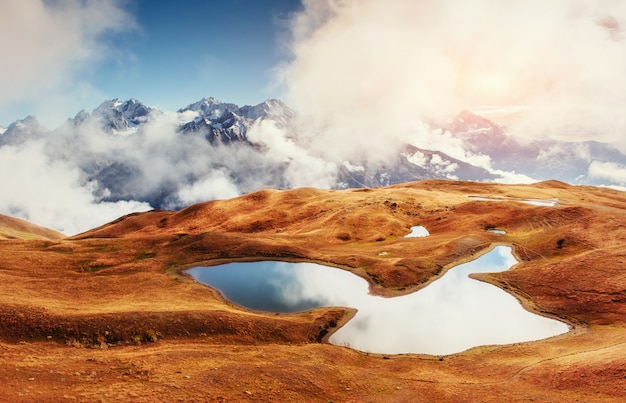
<point x="225" y="123"/>
<point x="14" y="228"/>
<point x="21" y="131"/>
<point x="539" y="158"/>
<point x="127" y="151"/>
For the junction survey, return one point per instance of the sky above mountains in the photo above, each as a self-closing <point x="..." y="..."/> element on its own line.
<point x="341" y="63"/>
<point x="63" y="56"/>
<point x="364" y="76"/>
<point x="182" y="51"/>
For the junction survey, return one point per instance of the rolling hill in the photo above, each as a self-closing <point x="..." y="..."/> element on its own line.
<point x="14" y="228"/>
<point x="111" y="314"/>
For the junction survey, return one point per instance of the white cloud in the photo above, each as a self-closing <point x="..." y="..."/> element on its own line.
<point x="418" y="158"/>
<point x="511" y="177"/>
<point x="216" y="185"/>
<point x="353" y="168"/>
<point x="443" y="166"/>
<point x="363" y="72"/>
<point x="608" y="170"/>
<point x="556" y="150"/>
<point x="51" y="193"/>
<point x="304" y="167"/>
<point x="49" y="46"/>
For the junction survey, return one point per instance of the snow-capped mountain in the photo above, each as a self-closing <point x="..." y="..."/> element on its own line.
<point x="125" y="150"/>
<point x="540" y="159"/>
<point x="209" y="108"/>
<point x="410" y="164"/>
<point x="203" y="128"/>
<point x="21" y="131"/>
<point x="271" y="109"/>
<point x="479" y="134"/>
<point x="225" y="123"/>
<point x="117" y="116"/>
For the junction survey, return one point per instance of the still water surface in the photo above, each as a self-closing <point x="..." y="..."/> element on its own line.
<point x="450" y="315"/>
<point x="417" y="232"/>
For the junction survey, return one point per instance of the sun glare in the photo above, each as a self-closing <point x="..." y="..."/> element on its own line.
<point x="489" y="88"/>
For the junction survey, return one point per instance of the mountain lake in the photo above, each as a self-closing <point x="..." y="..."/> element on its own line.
<point x="450" y="315"/>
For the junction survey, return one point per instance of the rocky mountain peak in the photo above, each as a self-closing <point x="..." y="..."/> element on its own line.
<point x="467" y="121"/>
<point x="210" y="108"/>
<point x="121" y="116"/>
<point x="22" y="130"/>
<point x="269" y="108"/>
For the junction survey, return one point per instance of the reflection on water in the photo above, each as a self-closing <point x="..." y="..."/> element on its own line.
<point x="497" y="231"/>
<point x="418" y="232"/>
<point x="450" y="315"/>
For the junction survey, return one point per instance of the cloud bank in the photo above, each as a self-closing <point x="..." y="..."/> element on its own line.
<point x="52" y="193"/>
<point x="363" y="72"/>
<point x="49" y="49"/>
<point x="84" y="173"/>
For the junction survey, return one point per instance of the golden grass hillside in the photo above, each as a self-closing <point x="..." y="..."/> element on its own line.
<point x="14" y="228"/>
<point x="111" y="315"/>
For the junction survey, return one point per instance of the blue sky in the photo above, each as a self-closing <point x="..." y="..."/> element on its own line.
<point x="350" y="62"/>
<point x="185" y="50"/>
<point x="73" y="55"/>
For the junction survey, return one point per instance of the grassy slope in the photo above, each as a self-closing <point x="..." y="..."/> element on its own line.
<point x="14" y="228"/>
<point x="161" y="336"/>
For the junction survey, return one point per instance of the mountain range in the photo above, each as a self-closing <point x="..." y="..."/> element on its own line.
<point x="125" y="150"/>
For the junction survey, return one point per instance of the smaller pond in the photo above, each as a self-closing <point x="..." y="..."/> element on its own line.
<point x="497" y="231"/>
<point x="417" y="232"/>
<point x="450" y="315"/>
